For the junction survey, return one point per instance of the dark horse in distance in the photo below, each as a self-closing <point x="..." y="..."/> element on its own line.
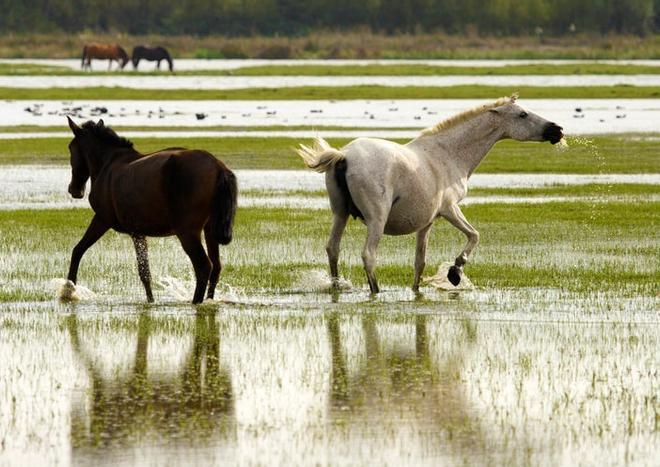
<point x="108" y="52"/>
<point x="152" y="54"/>
<point x="174" y="191"/>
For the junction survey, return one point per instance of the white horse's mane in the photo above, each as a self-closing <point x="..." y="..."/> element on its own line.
<point x="463" y="116"/>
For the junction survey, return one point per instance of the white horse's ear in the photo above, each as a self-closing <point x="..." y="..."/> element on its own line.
<point x="514" y="97"/>
<point x="495" y="111"/>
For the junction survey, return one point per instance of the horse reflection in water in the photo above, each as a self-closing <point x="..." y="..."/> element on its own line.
<point x="404" y="392"/>
<point x="374" y="391"/>
<point x="193" y="404"/>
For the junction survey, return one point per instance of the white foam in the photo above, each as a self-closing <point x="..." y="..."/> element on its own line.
<point x="67" y="291"/>
<point x="440" y="281"/>
<point x="318" y="280"/>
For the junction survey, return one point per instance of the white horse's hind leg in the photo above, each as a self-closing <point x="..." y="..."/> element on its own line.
<point x="374" y="232"/>
<point x="332" y="248"/>
<point x="420" y="254"/>
<point x="455" y="216"/>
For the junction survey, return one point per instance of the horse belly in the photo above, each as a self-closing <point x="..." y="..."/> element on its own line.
<point x="407" y="217"/>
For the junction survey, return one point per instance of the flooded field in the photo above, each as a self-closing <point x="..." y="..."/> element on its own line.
<point x="44" y="187"/>
<point x="595" y="116"/>
<point x="186" y="64"/>
<point x="550" y="358"/>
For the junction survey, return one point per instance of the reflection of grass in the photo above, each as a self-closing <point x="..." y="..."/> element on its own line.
<point x="389" y="69"/>
<point x="341" y="93"/>
<point x="578" y="246"/>
<point x="619" y="154"/>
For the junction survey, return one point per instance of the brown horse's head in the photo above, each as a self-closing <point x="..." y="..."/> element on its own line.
<point x="123" y="55"/>
<point x="79" y="167"/>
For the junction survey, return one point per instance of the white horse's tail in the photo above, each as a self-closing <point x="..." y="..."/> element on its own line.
<point x="321" y="157"/>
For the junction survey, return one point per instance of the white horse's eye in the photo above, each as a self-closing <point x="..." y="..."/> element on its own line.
<point x="523" y="114"/>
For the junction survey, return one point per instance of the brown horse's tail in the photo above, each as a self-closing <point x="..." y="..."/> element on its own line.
<point x="223" y="206"/>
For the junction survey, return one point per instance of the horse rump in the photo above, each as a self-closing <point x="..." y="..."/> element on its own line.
<point x="223" y="207"/>
<point x="340" y="179"/>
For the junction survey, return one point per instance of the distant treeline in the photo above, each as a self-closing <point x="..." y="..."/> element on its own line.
<point x="298" y="17"/>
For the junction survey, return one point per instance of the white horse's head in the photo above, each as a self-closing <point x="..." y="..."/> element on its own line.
<point x="523" y="125"/>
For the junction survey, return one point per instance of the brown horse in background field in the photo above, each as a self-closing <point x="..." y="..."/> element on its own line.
<point x="175" y="191"/>
<point x="108" y="52"/>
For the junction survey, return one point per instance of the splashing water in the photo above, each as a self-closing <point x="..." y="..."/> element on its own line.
<point x="67" y="291"/>
<point x="562" y="145"/>
<point x="440" y="281"/>
<point x="602" y="190"/>
<point x="176" y="289"/>
<point x="318" y="280"/>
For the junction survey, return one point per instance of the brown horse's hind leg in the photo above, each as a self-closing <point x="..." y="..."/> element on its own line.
<point x="214" y="255"/>
<point x="142" y="254"/>
<point x="95" y="231"/>
<point x="192" y="245"/>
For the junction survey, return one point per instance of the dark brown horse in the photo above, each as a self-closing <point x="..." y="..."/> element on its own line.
<point x="152" y="54"/>
<point x="108" y="52"/>
<point x="175" y="191"/>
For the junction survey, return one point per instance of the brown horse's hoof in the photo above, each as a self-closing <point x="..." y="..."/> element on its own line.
<point x="454" y="275"/>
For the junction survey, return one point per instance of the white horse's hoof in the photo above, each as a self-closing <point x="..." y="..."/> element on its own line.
<point x="454" y="275"/>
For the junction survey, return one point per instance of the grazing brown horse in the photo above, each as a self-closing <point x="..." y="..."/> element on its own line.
<point x="108" y="52"/>
<point x="175" y="191"/>
<point x="152" y="54"/>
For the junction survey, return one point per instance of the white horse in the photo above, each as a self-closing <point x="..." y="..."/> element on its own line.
<point x="400" y="189"/>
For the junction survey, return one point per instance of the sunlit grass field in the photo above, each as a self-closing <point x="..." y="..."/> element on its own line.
<point x="615" y="154"/>
<point x="337" y="93"/>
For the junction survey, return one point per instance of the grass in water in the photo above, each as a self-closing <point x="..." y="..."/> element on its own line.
<point x="577" y="246"/>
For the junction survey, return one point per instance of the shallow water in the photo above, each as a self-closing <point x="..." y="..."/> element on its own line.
<point x="597" y="116"/>
<point x="222" y="64"/>
<point x="275" y="82"/>
<point x="474" y="379"/>
<point x="44" y="187"/>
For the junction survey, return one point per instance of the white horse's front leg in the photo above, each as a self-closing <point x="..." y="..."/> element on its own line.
<point x="420" y="255"/>
<point x="455" y="216"/>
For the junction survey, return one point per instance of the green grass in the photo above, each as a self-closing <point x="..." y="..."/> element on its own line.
<point x="615" y="154"/>
<point x="334" y="93"/>
<point x="576" y="246"/>
<point x="389" y="69"/>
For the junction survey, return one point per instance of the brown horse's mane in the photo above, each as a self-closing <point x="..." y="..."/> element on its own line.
<point x="106" y="135"/>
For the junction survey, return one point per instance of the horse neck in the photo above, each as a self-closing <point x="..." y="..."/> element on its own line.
<point x="100" y="157"/>
<point x="465" y="144"/>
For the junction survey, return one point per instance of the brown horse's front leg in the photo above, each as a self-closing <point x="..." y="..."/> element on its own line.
<point x="192" y="245"/>
<point x="142" y="254"/>
<point x="95" y="231"/>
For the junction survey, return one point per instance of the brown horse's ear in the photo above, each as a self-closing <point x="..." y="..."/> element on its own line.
<point x="101" y="122"/>
<point x="75" y="128"/>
